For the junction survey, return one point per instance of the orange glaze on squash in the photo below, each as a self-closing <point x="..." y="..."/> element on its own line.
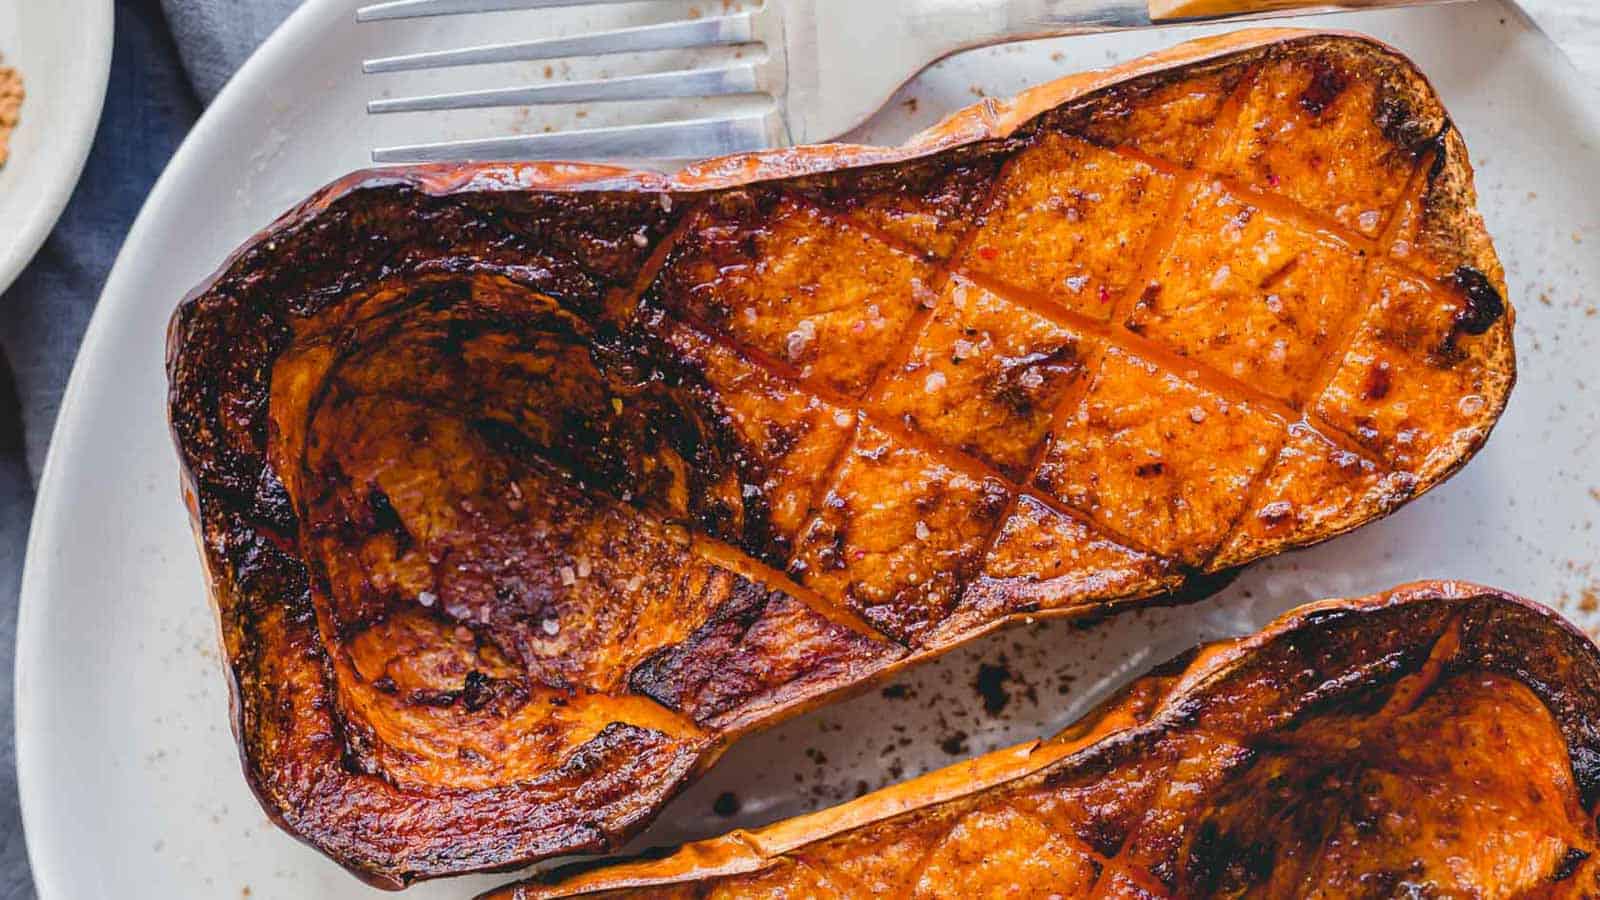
<point x="1412" y="744"/>
<point x="1344" y="807"/>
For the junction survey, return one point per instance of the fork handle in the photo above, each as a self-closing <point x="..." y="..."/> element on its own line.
<point x="1027" y="19"/>
<point x="1041" y="18"/>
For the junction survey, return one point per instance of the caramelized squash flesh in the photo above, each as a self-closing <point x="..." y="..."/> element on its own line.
<point x="525" y="489"/>
<point x="1437" y="741"/>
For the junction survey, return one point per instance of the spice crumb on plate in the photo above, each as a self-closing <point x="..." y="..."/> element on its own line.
<point x="11" y="94"/>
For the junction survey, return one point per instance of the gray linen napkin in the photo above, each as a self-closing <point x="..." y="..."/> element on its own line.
<point x="215" y="37"/>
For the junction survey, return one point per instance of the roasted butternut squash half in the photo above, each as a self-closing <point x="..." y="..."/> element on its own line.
<point x="1437" y="741"/>
<point x="524" y="489"/>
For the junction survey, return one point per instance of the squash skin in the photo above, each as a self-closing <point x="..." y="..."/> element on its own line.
<point x="357" y="394"/>
<point x="1436" y="740"/>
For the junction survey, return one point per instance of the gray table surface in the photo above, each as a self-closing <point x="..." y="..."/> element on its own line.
<point x="151" y="105"/>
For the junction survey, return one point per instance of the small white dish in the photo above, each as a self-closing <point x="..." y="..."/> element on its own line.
<point x="63" y="50"/>
<point x="129" y="777"/>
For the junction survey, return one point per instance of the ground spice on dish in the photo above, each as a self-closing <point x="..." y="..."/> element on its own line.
<point x="11" y="95"/>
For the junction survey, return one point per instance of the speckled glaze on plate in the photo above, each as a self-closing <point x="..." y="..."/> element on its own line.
<point x="124" y="749"/>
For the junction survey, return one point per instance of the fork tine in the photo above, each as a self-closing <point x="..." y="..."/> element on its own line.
<point x="720" y="31"/>
<point x="411" y="9"/>
<point x="657" y="140"/>
<point x="739" y="78"/>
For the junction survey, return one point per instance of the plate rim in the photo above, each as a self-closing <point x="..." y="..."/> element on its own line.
<point x="50" y="515"/>
<point x="47" y="515"/>
<point x="83" y="124"/>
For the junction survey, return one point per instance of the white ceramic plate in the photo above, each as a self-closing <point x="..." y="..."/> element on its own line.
<point x="63" y="49"/>
<point x="130" y="780"/>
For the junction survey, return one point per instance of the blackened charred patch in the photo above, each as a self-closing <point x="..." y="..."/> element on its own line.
<point x="261" y="568"/>
<point x="758" y="643"/>
<point x="385" y="518"/>
<point x="608" y="234"/>
<point x="830" y="549"/>
<point x="727" y="804"/>
<point x="1403" y="127"/>
<point x="442" y="296"/>
<point x="1378" y="382"/>
<point x="1586" y="769"/>
<point x="1221" y="863"/>
<point x="1439" y="146"/>
<point x="1019" y="382"/>
<point x="475" y="690"/>
<point x="272" y="502"/>
<point x="1568" y="865"/>
<point x="505" y="439"/>
<point x="674" y="674"/>
<point x="991" y="686"/>
<point x="1484" y="305"/>
<point x="1327" y="83"/>
<point x="782" y="438"/>
<point x="503" y="695"/>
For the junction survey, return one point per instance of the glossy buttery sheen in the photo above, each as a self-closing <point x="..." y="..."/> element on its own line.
<point x="524" y="489"/>
<point x="1436" y="741"/>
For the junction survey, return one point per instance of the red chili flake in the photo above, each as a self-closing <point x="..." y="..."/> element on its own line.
<point x="1272" y="179"/>
<point x="859" y="554"/>
<point x="988" y="252"/>
<point x="1105" y="294"/>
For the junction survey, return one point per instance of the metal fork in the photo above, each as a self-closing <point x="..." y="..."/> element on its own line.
<point x="818" y="67"/>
